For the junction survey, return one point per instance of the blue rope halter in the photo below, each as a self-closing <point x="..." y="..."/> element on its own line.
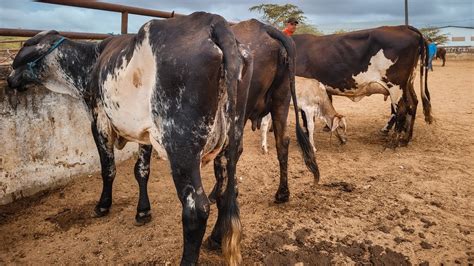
<point x="55" y="45"/>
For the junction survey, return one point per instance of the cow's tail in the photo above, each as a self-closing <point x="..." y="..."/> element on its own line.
<point x="225" y="40"/>
<point x="303" y="140"/>
<point x="425" y="93"/>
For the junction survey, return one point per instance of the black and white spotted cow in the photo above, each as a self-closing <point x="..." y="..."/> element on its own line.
<point x="172" y="87"/>
<point x="374" y="61"/>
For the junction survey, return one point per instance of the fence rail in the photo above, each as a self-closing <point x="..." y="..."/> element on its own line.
<point x="7" y="54"/>
<point x="125" y="10"/>
<point x="69" y="34"/>
<point x="459" y="49"/>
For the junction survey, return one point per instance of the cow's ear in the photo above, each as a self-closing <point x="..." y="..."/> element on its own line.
<point x="35" y="47"/>
<point x="25" y="55"/>
<point x="335" y="123"/>
<point x="38" y="37"/>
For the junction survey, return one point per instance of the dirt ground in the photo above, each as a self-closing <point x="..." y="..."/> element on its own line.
<point x="373" y="205"/>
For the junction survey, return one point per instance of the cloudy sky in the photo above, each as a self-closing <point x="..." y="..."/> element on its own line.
<point x="327" y="15"/>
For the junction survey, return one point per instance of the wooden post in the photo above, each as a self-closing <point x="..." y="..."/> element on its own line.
<point x="124" y="22"/>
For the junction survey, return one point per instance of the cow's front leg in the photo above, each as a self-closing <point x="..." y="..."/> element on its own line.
<point x="104" y="142"/>
<point x="187" y="179"/>
<point x="142" y="173"/>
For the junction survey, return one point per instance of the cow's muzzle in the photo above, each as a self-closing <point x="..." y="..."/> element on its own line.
<point x="15" y="82"/>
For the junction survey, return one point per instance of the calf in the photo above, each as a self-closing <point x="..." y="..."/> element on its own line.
<point x="361" y="63"/>
<point x="314" y="102"/>
<point x="161" y="90"/>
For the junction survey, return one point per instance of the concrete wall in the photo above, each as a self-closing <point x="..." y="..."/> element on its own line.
<point x="45" y="140"/>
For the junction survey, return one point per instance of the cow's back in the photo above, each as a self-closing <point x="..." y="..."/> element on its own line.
<point x="335" y="59"/>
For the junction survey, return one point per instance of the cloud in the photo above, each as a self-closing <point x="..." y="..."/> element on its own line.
<point x="327" y="15"/>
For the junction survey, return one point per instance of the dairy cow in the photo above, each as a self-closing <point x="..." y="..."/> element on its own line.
<point x="172" y="87"/>
<point x="374" y="61"/>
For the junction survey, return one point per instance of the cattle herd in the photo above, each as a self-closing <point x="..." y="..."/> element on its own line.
<point x="186" y="87"/>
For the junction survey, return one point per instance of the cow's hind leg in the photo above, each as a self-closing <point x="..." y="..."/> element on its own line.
<point x="279" y="116"/>
<point x="305" y="121"/>
<point x="187" y="179"/>
<point x="411" y="110"/>
<point x="405" y="118"/>
<point x="142" y="173"/>
<point x="391" y="121"/>
<point x="104" y="143"/>
<point x="220" y="170"/>
<point x="214" y="241"/>
<point x="266" y="122"/>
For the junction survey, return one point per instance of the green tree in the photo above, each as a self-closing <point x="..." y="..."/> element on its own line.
<point x="339" y="31"/>
<point x="277" y="15"/>
<point x="434" y="34"/>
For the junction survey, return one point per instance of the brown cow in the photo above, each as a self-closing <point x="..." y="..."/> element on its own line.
<point x="441" y="53"/>
<point x="360" y="63"/>
<point x="272" y="85"/>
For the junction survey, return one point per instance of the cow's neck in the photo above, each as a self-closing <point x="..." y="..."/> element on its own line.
<point x="70" y="71"/>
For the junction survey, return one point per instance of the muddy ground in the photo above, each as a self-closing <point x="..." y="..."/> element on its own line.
<point x="373" y="205"/>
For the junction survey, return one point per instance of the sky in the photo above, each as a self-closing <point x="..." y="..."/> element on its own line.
<point x="327" y="15"/>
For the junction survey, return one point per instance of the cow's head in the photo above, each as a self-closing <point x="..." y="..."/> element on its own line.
<point x="339" y="126"/>
<point x="32" y="63"/>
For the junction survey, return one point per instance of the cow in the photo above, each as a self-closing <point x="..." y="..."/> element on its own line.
<point x="172" y="87"/>
<point x="314" y="102"/>
<point x="441" y="53"/>
<point x="272" y="86"/>
<point x="361" y="63"/>
<point x="271" y="89"/>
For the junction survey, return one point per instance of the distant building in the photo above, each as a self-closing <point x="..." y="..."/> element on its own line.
<point x="458" y="36"/>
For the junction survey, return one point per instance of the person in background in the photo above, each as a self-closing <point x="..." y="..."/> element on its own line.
<point x="431" y="53"/>
<point x="291" y="24"/>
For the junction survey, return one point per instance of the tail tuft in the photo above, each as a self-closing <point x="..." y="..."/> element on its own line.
<point x="231" y="240"/>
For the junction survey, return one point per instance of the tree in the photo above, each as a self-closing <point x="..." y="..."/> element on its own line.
<point x="277" y="15"/>
<point x="434" y="34"/>
<point x="339" y="31"/>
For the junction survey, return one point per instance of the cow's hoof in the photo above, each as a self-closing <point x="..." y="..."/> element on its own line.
<point x="403" y="142"/>
<point x="384" y="131"/>
<point x="212" y="244"/>
<point x="101" y="212"/>
<point x="142" y="218"/>
<point x="282" y="196"/>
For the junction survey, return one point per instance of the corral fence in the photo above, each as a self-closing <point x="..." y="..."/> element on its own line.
<point x="459" y="49"/>
<point x="7" y="54"/>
